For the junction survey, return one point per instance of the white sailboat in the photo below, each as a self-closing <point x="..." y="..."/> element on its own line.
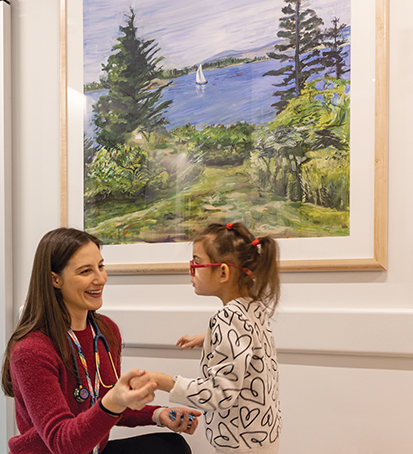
<point x="200" y="78"/>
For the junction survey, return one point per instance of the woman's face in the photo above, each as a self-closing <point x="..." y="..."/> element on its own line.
<point x="81" y="283"/>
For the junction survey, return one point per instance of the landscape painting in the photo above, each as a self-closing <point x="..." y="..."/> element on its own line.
<point x="216" y="112"/>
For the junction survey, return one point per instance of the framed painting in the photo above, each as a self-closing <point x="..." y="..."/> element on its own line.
<point x="173" y="117"/>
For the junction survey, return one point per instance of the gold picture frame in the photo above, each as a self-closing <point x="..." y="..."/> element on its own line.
<point x="378" y="260"/>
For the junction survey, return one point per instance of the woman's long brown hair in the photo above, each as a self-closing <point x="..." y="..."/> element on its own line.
<point x="44" y="308"/>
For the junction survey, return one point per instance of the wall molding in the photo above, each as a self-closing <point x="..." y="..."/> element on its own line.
<point x="285" y="357"/>
<point x="376" y="333"/>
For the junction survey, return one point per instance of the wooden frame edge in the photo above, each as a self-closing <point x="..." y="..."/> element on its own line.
<point x="286" y="266"/>
<point x="381" y="135"/>
<point x="381" y="129"/>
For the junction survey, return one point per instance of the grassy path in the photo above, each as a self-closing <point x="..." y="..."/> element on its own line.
<point x="221" y="195"/>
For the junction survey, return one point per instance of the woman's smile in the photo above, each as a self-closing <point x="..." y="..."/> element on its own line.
<point x="81" y="282"/>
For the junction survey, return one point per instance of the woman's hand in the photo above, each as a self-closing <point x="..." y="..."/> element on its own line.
<point x="121" y="396"/>
<point x="183" y="422"/>
<point x="191" y="341"/>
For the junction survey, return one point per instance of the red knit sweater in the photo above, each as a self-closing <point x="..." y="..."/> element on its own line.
<point x="48" y="417"/>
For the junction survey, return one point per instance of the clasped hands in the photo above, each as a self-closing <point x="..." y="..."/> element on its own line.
<point x="178" y="419"/>
<point x="136" y="388"/>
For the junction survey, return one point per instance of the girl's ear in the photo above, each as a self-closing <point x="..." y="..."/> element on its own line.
<point x="224" y="270"/>
<point x="56" y="280"/>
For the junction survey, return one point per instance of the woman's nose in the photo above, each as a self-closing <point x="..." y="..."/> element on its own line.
<point x="101" y="277"/>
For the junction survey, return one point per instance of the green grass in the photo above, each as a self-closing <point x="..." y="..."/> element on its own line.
<point x="221" y="195"/>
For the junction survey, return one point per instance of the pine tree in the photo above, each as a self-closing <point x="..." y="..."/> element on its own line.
<point x="132" y="101"/>
<point x="334" y="57"/>
<point x="301" y="34"/>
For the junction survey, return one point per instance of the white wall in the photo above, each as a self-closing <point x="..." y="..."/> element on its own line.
<point x="345" y="339"/>
<point x="6" y="284"/>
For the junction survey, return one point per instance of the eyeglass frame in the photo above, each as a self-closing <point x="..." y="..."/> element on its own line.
<point x="193" y="266"/>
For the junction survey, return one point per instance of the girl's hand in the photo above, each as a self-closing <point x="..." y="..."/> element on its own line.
<point x="183" y="422"/>
<point x="163" y="382"/>
<point x="191" y="342"/>
<point x="121" y="396"/>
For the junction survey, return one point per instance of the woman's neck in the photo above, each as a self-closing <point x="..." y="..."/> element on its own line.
<point x="78" y="322"/>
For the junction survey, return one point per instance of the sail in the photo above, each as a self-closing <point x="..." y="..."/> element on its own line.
<point x="200" y="78"/>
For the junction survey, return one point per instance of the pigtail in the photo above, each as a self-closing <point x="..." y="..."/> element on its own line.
<point x="264" y="264"/>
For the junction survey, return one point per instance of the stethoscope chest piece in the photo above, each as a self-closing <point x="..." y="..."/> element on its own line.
<point x="81" y="394"/>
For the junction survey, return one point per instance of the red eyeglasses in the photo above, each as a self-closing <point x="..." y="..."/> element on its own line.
<point x="192" y="267"/>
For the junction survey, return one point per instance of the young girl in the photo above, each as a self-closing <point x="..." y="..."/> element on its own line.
<point x="238" y="386"/>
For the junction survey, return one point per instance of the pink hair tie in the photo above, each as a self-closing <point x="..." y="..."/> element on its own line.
<point x="256" y="242"/>
<point x="230" y="226"/>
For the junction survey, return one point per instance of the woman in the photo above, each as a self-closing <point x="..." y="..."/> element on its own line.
<point x="63" y="374"/>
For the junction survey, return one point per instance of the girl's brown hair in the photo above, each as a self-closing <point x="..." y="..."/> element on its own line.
<point x="44" y="309"/>
<point x="234" y="243"/>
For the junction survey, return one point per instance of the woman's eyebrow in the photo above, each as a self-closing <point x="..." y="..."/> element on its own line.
<point x="82" y="266"/>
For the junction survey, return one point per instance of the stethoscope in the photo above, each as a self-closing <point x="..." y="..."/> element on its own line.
<point x="81" y="393"/>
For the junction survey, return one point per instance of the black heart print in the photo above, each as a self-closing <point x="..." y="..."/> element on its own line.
<point x="248" y="416"/>
<point x="239" y="344"/>
<point x="268" y="418"/>
<point x="216" y="336"/>
<point x="201" y="398"/>
<point x="225" y="439"/>
<point x="255" y="393"/>
<point x="227" y="371"/>
<point x="226" y="316"/>
<point x="252" y="439"/>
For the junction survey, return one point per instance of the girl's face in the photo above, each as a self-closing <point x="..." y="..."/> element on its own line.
<point x="81" y="283"/>
<point x="206" y="280"/>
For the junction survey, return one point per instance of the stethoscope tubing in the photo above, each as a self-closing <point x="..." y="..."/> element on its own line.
<point x="81" y="394"/>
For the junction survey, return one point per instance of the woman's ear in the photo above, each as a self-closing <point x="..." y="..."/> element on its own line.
<point x="224" y="270"/>
<point x="56" y="280"/>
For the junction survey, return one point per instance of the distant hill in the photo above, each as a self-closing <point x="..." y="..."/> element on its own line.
<point x="259" y="51"/>
<point x="250" y="54"/>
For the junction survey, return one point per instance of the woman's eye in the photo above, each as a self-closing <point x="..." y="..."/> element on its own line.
<point x="102" y="267"/>
<point x="86" y="271"/>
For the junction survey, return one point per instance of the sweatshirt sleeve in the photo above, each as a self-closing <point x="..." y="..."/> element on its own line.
<point x="45" y="404"/>
<point x="227" y="354"/>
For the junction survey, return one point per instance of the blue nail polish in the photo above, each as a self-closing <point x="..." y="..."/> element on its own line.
<point x="172" y="415"/>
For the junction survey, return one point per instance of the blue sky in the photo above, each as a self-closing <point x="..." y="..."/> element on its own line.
<point x="187" y="31"/>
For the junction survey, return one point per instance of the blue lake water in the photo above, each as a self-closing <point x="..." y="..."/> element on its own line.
<point x="232" y="94"/>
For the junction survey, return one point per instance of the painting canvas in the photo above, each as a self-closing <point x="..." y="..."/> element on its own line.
<point x="198" y="115"/>
<point x="179" y="116"/>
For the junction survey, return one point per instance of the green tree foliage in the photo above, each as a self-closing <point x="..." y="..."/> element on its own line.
<point x="125" y="172"/>
<point x="298" y="52"/>
<point x="298" y="154"/>
<point x="326" y="178"/>
<point x="217" y="144"/>
<point x="133" y="100"/>
<point x="334" y="56"/>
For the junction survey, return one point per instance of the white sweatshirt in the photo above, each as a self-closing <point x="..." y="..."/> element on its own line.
<point x="238" y="387"/>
